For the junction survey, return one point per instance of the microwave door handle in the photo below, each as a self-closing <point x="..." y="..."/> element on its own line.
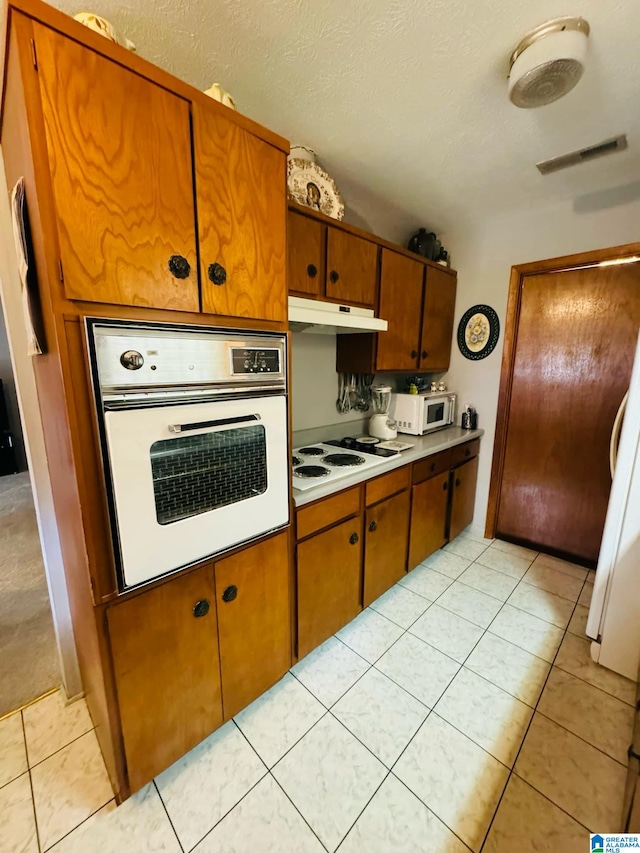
<point x="212" y="424"/>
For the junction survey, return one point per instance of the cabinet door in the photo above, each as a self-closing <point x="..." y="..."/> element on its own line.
<point x="429" y="501"/>
<point x="242" y="211"/>
<point x="385" y="549"/>
<point x="254" y="621"/>
<point x="329" y="583"/>
<point x="401" y="305"/>
<point x="463" y="495"/>
<point x="120" y="158"/>
<point x="352" y="267"/>
<point x="165" y="659"/>
<point x="306" y="251"/>
<point x="437" y="321"/>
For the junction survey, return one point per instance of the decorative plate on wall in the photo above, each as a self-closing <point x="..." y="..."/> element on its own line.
<point x="478" y="332"/>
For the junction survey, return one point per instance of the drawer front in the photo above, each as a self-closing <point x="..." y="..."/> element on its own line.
<point x="464" y="452"/>
<point x="431" y="466"/>
<point x="389" y="484"/>
<point x="329" y="511"/>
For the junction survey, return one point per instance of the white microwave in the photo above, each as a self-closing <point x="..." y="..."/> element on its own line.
<point x="418" y="414"/>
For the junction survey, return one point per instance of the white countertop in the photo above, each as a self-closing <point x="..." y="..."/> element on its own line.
<point x="425" y="445"/>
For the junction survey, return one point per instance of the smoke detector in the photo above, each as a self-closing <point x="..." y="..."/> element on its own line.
<point x="548" y="62"/>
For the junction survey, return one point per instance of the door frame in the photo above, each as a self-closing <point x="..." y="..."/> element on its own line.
<point x="512" y="319"/>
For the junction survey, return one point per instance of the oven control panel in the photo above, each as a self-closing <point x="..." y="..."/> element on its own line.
<point x="255" y="360"/>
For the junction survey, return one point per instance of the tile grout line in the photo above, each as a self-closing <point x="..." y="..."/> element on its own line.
<point x="166" y="811"/>
<point x="83" y="821"/>
<point x="522" y="742"/>
<point x="33" y="799"/>
<point x="269" y="773"/>
<point x="55" y="752"/>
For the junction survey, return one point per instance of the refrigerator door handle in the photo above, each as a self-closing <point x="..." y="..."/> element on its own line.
<point x="615" y="435"/>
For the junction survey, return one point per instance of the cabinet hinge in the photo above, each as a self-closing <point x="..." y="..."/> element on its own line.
<point x="60" y="270"/>
<point x="34" y="55"/>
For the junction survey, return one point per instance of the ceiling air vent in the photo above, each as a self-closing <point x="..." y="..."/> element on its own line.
<point x="609" y="146"/>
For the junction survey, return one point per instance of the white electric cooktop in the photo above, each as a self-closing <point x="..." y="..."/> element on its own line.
<point x="319" y="463"/>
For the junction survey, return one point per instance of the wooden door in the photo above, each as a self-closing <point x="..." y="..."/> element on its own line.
<point x="401" y="305"/>
<point x="574" y="351"/>
<point x="385" y="548"/>
<point x="352" y="268"/>
<point x="167" y="672"/>
<point x="437" y="322"/>
<point x="429" y="502"/>
<point x="254" y="621"/>
<point x="120" y="157"/>
<point x="463" y="496"/>
<point x="242" y="212"/>
<point x="329" y="583"/>
<point x="306" y="255"/>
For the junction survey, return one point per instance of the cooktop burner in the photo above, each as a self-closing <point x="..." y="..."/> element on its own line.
<point x="343" y="460"/>
<point x="295" y="460"/>
<point x="311" y="471"/>
<point x="353" y="443"/>
<point x="311" y="451"/>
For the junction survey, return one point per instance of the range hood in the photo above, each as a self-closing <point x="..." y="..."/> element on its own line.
<point x="331" y="318"/>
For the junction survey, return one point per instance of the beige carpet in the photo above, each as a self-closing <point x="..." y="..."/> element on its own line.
<point x="28" y="655"/>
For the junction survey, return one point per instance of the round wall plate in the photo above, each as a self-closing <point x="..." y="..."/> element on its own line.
<point x="310" y="185"/>
<point x="478" y="332"/>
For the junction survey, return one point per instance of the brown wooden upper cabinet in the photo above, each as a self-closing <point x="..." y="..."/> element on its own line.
<point x="437" y="320"/>
<point x="401" y="284"/>
<point x="418" y="301"/>
<point x="306" y="255"/>
<point x="122" y="170"/>
<point x="242" y="208"/>
<point x="120" y="158"/>
<point x="329" y="263"/>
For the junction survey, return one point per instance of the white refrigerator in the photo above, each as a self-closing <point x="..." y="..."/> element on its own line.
<point x="614" y="615"/>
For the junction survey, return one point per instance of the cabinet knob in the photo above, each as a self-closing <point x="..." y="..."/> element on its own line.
<point x="230" y="594"/>
<point x="217" y="273"/>
<point x="424" y="353"/>
<point x="467" y="452"/>
<point x="201" y="608"/>
<point x="445" y="487"/>
<point x="433" y="466"/>
<point x="457" y="481"/>
<point x="333" y="276"/>
<point x="354" y="539"/>
<point x="414" y="353"/>
<point x="179" y="267"/>
<point x="312" y="270"/>
<point x="373" y="527"/>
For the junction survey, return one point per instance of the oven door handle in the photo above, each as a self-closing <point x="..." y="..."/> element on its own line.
<point x="211" y="424"/>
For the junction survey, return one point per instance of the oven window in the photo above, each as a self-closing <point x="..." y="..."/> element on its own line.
<point x="193" y="474"/>
<point x="435" y="413"/>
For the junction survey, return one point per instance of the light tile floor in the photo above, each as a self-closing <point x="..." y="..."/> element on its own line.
<point x="461" y="711"/>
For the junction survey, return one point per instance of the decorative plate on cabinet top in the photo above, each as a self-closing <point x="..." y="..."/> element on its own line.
<point x="310" y="185"/>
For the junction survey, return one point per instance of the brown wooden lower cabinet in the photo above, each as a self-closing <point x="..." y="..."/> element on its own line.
<point x="167" y="671"/>
<point x="429" y="503"/>
<point x="329" y="582"/>
<point x="463" y="495"/>
<point x="254" y="626"/>
<point x="386" y="540"/>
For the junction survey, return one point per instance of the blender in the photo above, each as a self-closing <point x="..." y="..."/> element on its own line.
<point x="380" y="424"/>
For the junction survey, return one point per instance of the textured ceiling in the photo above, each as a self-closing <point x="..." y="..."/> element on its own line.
<point x="405" y="101"/>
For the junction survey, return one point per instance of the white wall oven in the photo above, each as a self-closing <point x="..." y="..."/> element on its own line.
<point x="193" y="425"/>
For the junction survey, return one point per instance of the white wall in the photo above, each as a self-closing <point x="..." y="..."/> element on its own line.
<point x="314" y="382"/>
<point x="35" y="448"/>
<point x="484" y="259"/>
